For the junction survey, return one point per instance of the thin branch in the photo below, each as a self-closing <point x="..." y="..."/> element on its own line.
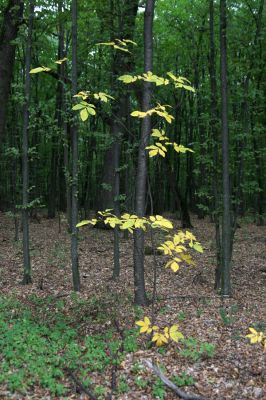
<point x="182" y="395"/>
<point x="80" y="385"/>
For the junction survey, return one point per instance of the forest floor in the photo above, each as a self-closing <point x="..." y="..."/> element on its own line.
<point x="215" y="361"/>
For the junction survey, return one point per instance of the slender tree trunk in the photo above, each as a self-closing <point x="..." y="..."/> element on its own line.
<point x="25" y="147"/>
<point x="215" y="139"/>
<point x="11" y="19"/>
<point x="54" y="188"/>
<point x="139" y="280"/>
<point x="66" y="141"/>
<point x="227" y="237"/>
<point x="74" y="134"/>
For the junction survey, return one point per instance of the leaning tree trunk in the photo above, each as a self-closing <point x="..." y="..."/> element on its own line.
<point x="139" y="280"/>
<point x="227" y="237"/>
<point x="25" y="147"/>
<point x="74" y="132"/>
<point x="11" y="19"/>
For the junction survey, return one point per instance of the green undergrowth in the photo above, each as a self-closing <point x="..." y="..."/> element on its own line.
<point x="38" y="343"/>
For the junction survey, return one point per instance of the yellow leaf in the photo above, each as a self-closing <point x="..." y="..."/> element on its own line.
<point x="190" y="88"/>
<point x="156" y="133"/>
<point x="106" y="43"/>
<point x="121" y="48"/>
<point x="61" y="61"/>
<point x="254" y="336"/>
<point x="144" y="325"/>
<point x="180" y="249"/>
<point x="159" y="339"/>
<point x="174" y="266"/>
<point x="198" y="247"/>
<point x="122" y="42"/>
<point x="39" y="69"/>
<point x="84" y="115"/>
<point x="166" y="332"/>
<point x="174" y="333"/>
<point x="86" y="222"/>
<point x="187" y="258"/>
<point x="130" y="41"/>
<point x="153" y="153"/>
<point x="138" y="114"/>
<point x="91" y="111"/>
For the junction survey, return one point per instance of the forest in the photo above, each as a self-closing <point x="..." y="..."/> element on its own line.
<point x="132" y="199"/>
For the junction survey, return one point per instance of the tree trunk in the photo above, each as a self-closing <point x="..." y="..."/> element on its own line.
<point x="25" y="147"/>
<point x="227" y="237"/>
<point x="55" y="154"/>
<point x="12" y="19"/>
<point x="74" y="137"/>
<point x="139" y="280"/>
<point x="215" y="139"/>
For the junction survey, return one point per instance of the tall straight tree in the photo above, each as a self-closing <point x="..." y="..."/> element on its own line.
<point x="214" y="114"/>
<point x="12" y="17"/>
<point x="139" y="279"/>
<point x="227" y="235"/>
<point x="121" y="64"/>
<point x="74" y="137"/>
<point x="25" y="148"/>
<point x="54" y="191"/>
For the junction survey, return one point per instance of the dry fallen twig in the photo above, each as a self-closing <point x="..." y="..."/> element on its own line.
<point x="171" y="385"/>
<point x="80" y="385"/>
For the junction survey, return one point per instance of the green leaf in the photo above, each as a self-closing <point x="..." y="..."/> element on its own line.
<point x="127" y="78"/>
<point x="198" y="247"/>
<point x="78" y="107"/>
<point x="84" y="115"/>
<point x="91" y="111"/>
<point x="138" y="114"/>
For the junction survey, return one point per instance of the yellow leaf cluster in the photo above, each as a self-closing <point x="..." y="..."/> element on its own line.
<point x="158" y="221"/>
<point x="86" y="109"/>
<point x="159" y="110"/>
<point x="159" y="148"/>
<point x="156" y="149"/>
<point x="160" y="337"/>
<point x="119" y="44"/>
<point x="179" y="82"/>
<point x="147" y="77"/>
<point x="177" y="251"/>
<point x="175" y="248"/>
<point x="47" y="69"/>
<point x="256" y="337"/>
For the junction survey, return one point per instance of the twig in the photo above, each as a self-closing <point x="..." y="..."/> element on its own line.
<point x="114" y="359"/>
<point x="171" y="385"/>
<point x="80" y="385"/>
